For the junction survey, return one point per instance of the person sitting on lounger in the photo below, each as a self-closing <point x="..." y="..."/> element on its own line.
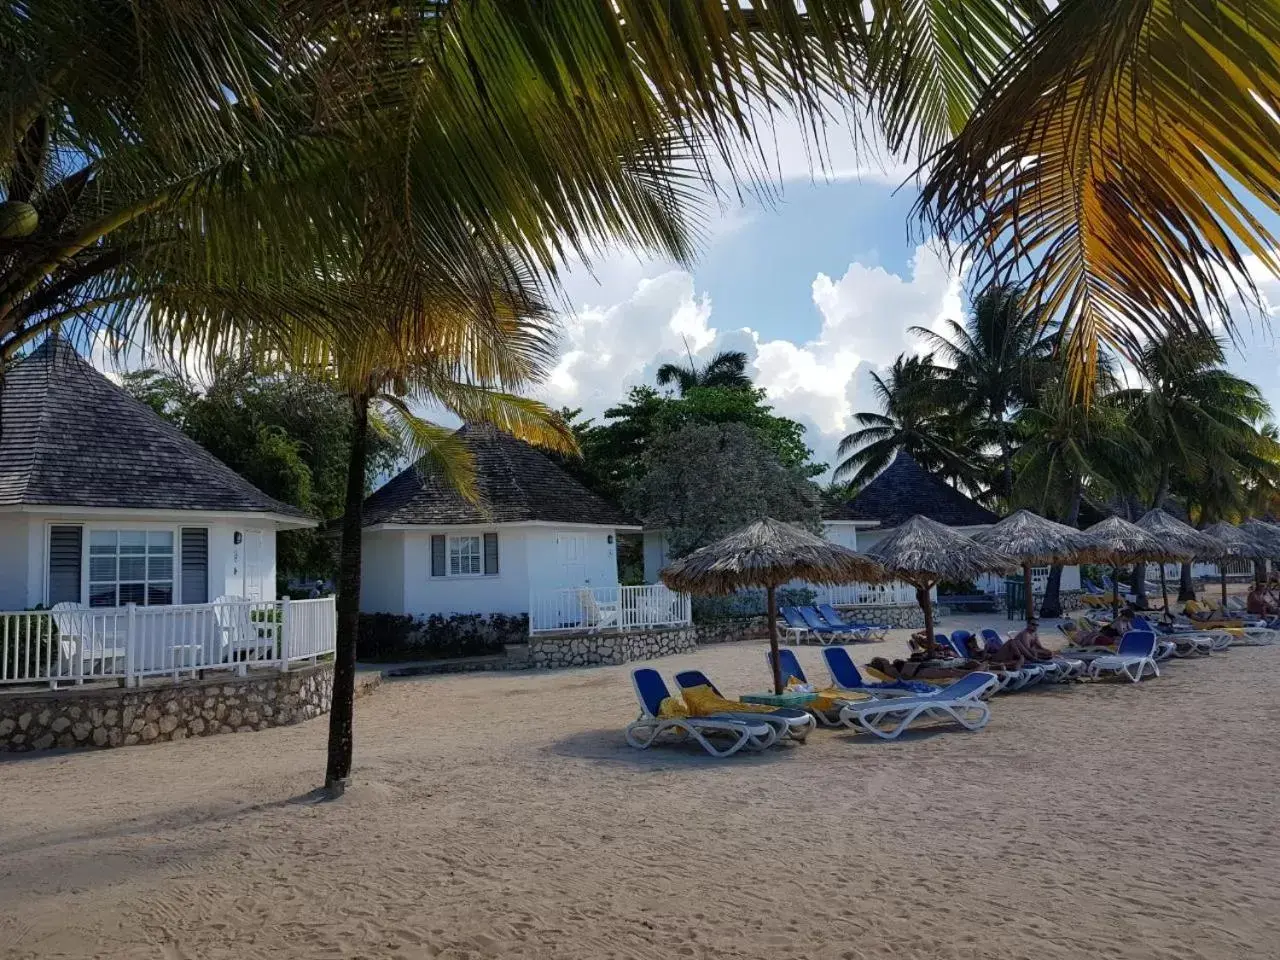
<point x="1258" y="603"/>
<point x="1026" y="644"/>
<point x="1108" y="635"/>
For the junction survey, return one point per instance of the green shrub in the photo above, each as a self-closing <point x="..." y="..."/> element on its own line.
<point x="748" y="603"/>
<point x="387" y="636"/>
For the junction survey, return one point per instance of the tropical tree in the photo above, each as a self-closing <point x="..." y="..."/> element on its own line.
<point x="727" y="369"/>
<point x="1066" y="448"/>
<point x="916" y="416"/>
<point x="993" y="363"/>
<point x="1199" y="419"/>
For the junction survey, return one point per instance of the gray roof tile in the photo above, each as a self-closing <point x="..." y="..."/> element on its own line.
<point x="71" y="437"/>
<point x="904" y="489"/>
<point x="517" y="484"/>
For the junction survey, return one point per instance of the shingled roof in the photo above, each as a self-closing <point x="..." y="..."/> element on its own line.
<point x="70" y="437"/>
<point x="517" y="484"/>
<point x="904" y="489"/>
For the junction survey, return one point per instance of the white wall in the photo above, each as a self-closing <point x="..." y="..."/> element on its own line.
<point x="529" y="558"/>
<point x="229" y="574"/>
<point x="14" y="561"/>
<point x="382" y="580"/>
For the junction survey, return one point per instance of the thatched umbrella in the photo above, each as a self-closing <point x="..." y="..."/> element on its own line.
<point x="1171" y="531"/>
<point x="1267" y="534"/>
<point x="922" y="552"/>
<point x="768" y="554"/>
<point x="1032" y="540"/>
<point x="1236" y="543"/>
<point x="1116" y="541"/>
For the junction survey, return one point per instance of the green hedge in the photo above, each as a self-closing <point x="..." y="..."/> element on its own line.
<point x="386" y="636"/>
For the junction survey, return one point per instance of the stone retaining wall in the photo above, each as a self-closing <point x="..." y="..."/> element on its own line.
<point x="731" y="631"/>
<point x="556" y="650"/>
<point x="114" y="717"/>
<point x="894" y="616"/>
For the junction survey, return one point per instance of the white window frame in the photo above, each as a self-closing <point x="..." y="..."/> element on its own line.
<point x="88" y="527"/>
<point x="450" y="540"/>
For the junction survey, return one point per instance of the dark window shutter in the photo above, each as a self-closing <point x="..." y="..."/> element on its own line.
<point x="437" y="555"/>
<point x="491" y="554"/>
<point x="64" y="564"/>
<point x="195" y="565"/>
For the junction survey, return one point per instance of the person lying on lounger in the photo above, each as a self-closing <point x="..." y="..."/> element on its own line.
<point x="1109" y="634"/>
<point x="917" y="670"/>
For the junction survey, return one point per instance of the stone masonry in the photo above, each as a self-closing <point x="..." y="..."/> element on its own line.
<point x="895" y="616"/>
<point x="114" y="717"/>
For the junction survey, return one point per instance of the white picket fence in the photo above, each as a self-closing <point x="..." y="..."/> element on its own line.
<point x="867" y="594"/>
<point x="129" y="643"/>
<point x="607" y="608"/>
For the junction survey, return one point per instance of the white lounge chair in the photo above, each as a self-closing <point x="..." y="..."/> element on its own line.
<point x="77" y="644"/>
<point x="1134" y="658"/>
<point x="959" y="702"/>
<point x="646" y="730"/>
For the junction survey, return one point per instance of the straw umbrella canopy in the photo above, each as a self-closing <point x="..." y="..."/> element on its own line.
<point x="922" y="552"/>
<point x="768" y="553"/>
<point x="1267" y="534"/>
<point x="1236" y="543"/>
<point x="1032" y="540"/>
<point x="1116" y="541"/>
<point x="1171" y="531"/>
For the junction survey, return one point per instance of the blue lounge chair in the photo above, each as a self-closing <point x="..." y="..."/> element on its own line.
<point x="787" y="721"/>
<point x="859" y="631"/>
<point x="824" y="631"/>
<point x="845" y="675"/>
<point x="789" y="668"/>
<point x="645" y="731"/>
<point x="794" y="625"/>
<point x="1010" y="679"/>
<point x="1133" y="659"/>
<point x="961" y="702"/>
<point x="1184" y="643"/>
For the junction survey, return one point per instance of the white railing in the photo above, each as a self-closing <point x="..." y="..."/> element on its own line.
<point x="607" y="608"/>
<point x="890" y="594"/>
<point x="129" y="643"/>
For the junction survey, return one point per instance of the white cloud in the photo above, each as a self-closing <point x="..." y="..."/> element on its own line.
<point x="822" y="382"/>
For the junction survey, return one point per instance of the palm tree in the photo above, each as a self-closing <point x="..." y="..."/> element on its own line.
<point x="1196" y="416"/>
<point x="141" y="144"/>
<point x="1065" y="448"/>
<point x="994" y="361"/>
<point x="914" y="417"/>
<point x="727" y="369"/>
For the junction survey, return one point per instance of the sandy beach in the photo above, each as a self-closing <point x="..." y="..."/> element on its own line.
<point x="502" y="815"/>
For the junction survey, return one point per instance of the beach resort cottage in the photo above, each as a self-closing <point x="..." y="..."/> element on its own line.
<point x="539" y="543"/>
<point x="105" y="503"/>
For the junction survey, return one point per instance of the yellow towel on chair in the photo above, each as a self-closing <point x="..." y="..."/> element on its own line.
<point x="704" y="702"/>
<point x="672" y="709"/>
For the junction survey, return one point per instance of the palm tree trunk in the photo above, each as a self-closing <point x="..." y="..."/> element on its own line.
<point x="1051" y="605"/>
<point x="342" y="710"/>
<point x="1186" y="588"/>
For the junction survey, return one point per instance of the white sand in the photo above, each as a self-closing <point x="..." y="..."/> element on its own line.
<point x="503" y="816"/>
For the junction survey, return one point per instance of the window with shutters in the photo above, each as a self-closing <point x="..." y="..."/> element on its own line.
<point x="464" y="555"/>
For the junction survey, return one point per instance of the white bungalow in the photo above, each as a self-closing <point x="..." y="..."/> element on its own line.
<point x="104" y="502"/>
<point x="132" y="532"/>
<point x="541" y="544"/>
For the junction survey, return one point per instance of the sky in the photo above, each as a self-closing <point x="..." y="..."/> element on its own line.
<point x="818" y="287"/>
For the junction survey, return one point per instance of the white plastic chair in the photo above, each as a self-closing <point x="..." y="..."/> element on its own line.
<point x="598" y="615"/>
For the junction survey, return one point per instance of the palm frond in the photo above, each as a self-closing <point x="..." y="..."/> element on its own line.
<point x="1118" y="162"/>
<point x="431" y="446"/>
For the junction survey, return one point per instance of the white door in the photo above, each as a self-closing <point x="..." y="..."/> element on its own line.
<point x="571" y="553"/>
<point x="253" y="550"/>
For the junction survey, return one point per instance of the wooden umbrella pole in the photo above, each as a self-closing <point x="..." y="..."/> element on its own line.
<point x="1026" y="586"/>
<point x="1222" y="568"/>
<point x="1115" y="590"/>
<point x="1164" y="590"/>
<point x="926" y="604"/>
<point x="773" y="638"/>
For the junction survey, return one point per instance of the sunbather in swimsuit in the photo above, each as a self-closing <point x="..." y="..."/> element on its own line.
<point x="918" y="670"/>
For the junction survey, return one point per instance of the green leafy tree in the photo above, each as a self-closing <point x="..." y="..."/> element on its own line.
<point x="288" y="432"/>
<point x="705" y="480"/>
<point x="994" y="363"/>
<point x="1199" y="420"/>
<point x="918" y="414"/>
